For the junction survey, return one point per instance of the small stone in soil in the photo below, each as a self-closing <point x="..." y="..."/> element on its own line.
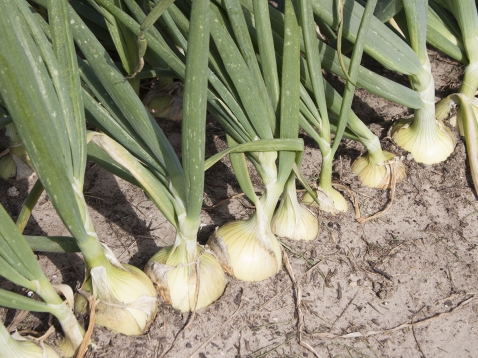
<point x="13" y="192"/>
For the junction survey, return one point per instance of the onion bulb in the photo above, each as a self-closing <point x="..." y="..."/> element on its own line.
<point x="294" y="221"/>
<point x="128" y="301"/>
<point x="247" y="250"/>
<point x="21" y="347"/>
<point x="8" y="167"/>
<point x="330" y="200"/>
<point x="16" y="161"/>
<point x="166" y="101"/>
<point x="376" y="174"/>
<point x="426" y="146"/>
<point x="176" y="277"/>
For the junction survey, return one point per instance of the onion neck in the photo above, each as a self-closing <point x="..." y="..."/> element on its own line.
<point x="266" y="205"/>
<point x="93" y="252"/>
<point x="62" y="311"/>
<point x="46" y="291"/>
<point x="325" y="179"/>
<point x="267" y="170"/>
<point x="424" y="121"/>
<point x="262" y="221"/>
<point x="369" y="140"/>
<point x="185" y="243"/>
<point x="290" y="190"/>
<point x="86" y="236"/>
<point x="470" y="80"/>
<point x="374" y="152"/>
<point x="71" y="328"/>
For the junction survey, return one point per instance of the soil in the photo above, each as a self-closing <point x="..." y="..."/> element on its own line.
<point x="402" y="285"/>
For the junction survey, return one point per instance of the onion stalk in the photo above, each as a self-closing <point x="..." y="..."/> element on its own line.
<point x="248" y="249"/>
<point x="462" y="45"/>
<point x="186" y="282"/>
<point x="376" y="173"/>
<point x="127" y="298"/>
<point x="371" y="167"/>
<point x="427" y="139"/>
<point x="321" y="121"/>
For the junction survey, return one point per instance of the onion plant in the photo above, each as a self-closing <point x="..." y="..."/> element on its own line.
<point x="184" y="271"/>
<point x="19" y="265"/>
<point x="322" y="122"/>
<point x="460" y="41"/>
<point x="44" y="92"/>
<point x="427" y="139"/>
<point x="248" y="249"/>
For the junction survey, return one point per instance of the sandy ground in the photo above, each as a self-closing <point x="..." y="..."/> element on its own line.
<point x="402" y="285"/>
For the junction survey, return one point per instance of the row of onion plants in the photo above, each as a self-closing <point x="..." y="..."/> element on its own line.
<point x="258" y="72"/>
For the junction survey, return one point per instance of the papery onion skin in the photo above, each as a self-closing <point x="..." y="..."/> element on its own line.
<point x="378" y="175"/>
<point x="128" y="299"/>
<point x="330" y="200"/>
<point x="246" y="251"/>
<point x="177" y="284"/>
<point x="293" y="221"/>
